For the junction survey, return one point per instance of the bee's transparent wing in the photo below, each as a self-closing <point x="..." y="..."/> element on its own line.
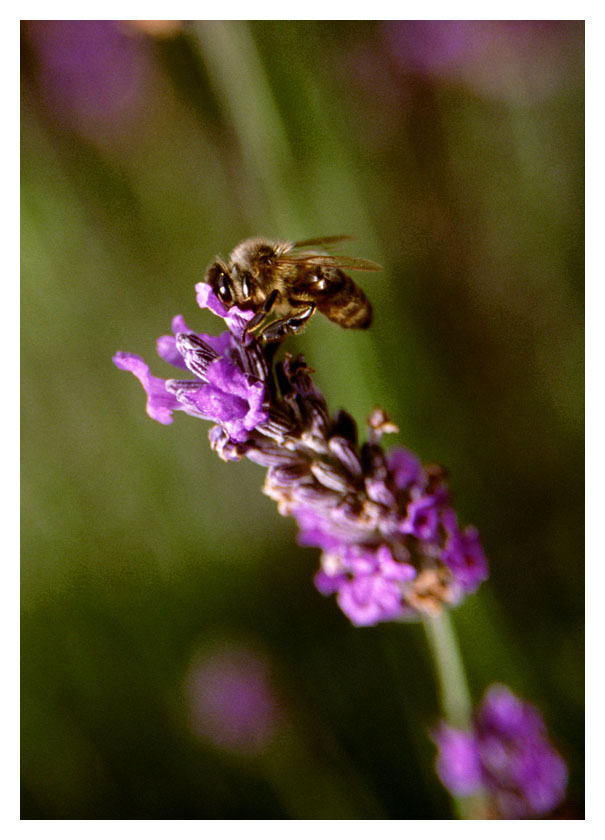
<point x="304" y="253"/>
<point x="329" y="261"/>
<point x="321" y="242"/>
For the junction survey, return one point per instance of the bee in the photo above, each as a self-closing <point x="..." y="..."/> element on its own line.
<point x="291" y="280"/>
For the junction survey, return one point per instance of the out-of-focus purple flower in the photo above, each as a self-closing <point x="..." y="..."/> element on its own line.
<point x="231" y="700"/>
<point x="222" y="391"/>
<point x="390" y="542"/>
<point x="499" y="58"/>
<point x="506" y="757"/>
<point x="91" y="73"/>
<point x="458" y="764"/>
<point x="435" y="46"/>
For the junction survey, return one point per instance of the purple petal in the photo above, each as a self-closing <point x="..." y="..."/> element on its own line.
<point x="463" y="554"/>
<point x="206" y="299"/>
<point x="359" y="559"/>
<point x="160" y="403"/>
<point x="525" y="774"/>
<point x="230" y="398"/>
<point x="422" y="520"/>
<point x="449" y="520"/>
<point x="231" y="380"/>
<point x="315" y="530"/>
<point x="369" y="599"/>
<point x="504" y="713"/>
<point x="546" y="787"/>
<point x="226" y="376"/>
<point x="328" y="584"/>
<point x="391" y="568"/>
<point x="458" y="764"/>
<point x="235" y="318"/>
<point x="405" y="468"/>
<point x="166" y="344"/>
<point x="219" y="406"/>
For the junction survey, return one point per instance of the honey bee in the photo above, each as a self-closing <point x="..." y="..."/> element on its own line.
<point x="291" y="280"/>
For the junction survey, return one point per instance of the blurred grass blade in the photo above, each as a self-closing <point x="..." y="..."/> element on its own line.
<point x="241" y="84"/>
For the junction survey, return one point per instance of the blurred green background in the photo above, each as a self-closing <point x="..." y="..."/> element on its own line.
<point x="453" y="153"/>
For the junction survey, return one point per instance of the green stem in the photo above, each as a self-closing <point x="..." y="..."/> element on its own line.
<point x="454" y="695"/>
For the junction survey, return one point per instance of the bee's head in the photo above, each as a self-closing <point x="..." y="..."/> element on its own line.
<point x="221" y="284"/>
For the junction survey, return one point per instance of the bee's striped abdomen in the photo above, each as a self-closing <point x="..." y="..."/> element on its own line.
<point x="344" y="302"/>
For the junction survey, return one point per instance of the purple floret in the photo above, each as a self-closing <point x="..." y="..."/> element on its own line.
<point x="507" y="757"/>
<point x="230" y="398"/>
<point x="464" y="555"/>
<point x="369" y="582"/>
<point x="458" y="764"/>
<point x="404" y="467"/>
<point x="370" y="598"/>
<point x="422" y="520"/>
<point x="221" y="392"/>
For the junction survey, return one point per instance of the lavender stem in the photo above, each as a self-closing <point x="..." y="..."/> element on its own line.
<point x="454" y="694"/>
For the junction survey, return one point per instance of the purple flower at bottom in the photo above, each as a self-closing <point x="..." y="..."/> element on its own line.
<point x="507" y="757"/>
<point x="458" y="764"/>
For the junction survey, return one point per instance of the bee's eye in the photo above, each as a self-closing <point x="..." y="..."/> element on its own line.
<point x="223" y="289"/>
<point x="246" y="285"/>
<point x="220" y="282"/>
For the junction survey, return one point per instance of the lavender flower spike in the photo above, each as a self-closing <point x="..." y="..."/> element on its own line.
<point x="391" y="545"/>
<point x="506" y="757"/>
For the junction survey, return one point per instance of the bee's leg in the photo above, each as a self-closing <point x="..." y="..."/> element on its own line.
<point x="262" y="313"/>
<point x="277" y="330"/>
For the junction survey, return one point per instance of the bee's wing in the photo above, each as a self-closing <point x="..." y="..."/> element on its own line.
<point x="320" y="241"/>
<point x="329" y="261"/>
